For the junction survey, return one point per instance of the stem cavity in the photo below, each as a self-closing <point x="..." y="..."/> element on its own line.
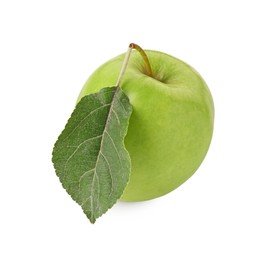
<point x="126" y="60"/>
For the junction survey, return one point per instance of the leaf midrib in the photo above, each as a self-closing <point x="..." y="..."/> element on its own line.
<point x="98" y="157"/>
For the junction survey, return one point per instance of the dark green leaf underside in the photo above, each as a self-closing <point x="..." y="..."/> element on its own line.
<point x="90" y="157"/>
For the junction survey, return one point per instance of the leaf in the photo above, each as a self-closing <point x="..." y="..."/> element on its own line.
<point x="90" y="157"/>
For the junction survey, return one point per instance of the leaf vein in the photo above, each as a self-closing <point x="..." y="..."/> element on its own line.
<point x="110" y="173"/>
<point x="89" y="114"/>
<point x="85" y="141"/>
<point x="116" y="115"/>
<point x="114" y="145"/>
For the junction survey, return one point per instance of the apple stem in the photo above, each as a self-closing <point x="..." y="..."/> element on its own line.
<point x="126" y="60"/>
<point x="144" y="56"/>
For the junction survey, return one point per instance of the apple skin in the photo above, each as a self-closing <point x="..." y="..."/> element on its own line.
<point x="171" y="126"/>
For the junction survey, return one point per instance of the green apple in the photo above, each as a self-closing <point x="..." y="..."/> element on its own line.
<point x="171" y="126"/>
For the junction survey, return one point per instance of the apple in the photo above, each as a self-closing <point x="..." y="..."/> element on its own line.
<point x="171" y="126"/>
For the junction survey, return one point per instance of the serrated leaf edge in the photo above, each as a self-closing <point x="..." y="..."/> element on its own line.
<point x="93" y="220"/>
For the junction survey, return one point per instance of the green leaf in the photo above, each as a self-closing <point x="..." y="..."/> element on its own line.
<point x="90" y="157"/>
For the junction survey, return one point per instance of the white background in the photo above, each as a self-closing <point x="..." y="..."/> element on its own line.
<point x="47" y="51"/>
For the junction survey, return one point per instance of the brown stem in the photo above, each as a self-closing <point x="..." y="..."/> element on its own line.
<point x="126" y="60"/>
<point x="144" y="56"/>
